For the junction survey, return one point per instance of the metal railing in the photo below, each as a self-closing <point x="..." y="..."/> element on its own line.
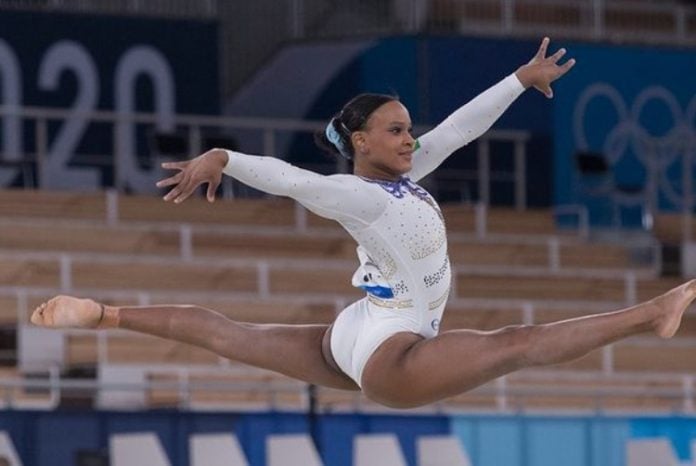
<point x="509" y="394"/>
<point x="42" y="164"/>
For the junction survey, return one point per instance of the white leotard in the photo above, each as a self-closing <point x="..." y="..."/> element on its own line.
<point x="402" y="245"/>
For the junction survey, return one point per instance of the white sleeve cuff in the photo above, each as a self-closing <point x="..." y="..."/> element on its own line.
<point x="515" y="84"/>
<point x="228" y="169"/>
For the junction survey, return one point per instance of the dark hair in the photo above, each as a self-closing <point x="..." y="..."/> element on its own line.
<point x="352" y="117"/>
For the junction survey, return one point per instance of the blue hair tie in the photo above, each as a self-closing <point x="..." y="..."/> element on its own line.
<point x="335" y="139"/>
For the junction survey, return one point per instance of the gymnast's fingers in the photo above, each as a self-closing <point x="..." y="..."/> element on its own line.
<point x="176" y="179"/>
<point x="212" y="187"/>
<point x="175" y="165"/>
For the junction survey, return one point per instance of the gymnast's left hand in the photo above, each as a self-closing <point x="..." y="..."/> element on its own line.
<point x="541" y="70"/>
<point x="206" y="168"/>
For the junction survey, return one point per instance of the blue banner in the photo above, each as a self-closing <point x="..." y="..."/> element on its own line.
<point x="633" y="108"/>
<point x="82" y="64"/>
<point x="55" y="438"/>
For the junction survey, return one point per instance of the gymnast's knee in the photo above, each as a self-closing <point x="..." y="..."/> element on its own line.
<point x="395" y="388"/>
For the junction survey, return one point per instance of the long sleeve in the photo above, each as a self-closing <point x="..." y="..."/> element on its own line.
<point x="464" y="125"/>
<point x="344" y="198"/>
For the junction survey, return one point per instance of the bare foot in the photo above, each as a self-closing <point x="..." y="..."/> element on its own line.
<point x="673" y="304"/>
<point x="68" y="312"/>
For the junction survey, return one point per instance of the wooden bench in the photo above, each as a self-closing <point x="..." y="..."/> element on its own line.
<point x="462" y="219"/>
<point x="649" y="20"/>
<point x="592" y="255"/>
<point x="175" y="276"/>
<point x="631" y="357"/>
<point x="58" y="205"/>
<point x="593" y="393"/>
<point x="29" y="272"/>
<point x="540" y="287"/>
<point x="499" y="254"/>
<point x="91" y="239"/>
<point x="290" y="245"/>
<point x="8" y="310"/>
<point x="274" y="212"/>
<point x="551" y="14"/>
<point x="313" y="281"/>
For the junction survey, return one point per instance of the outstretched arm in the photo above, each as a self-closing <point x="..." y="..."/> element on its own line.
<point x="332" y="197"/>
<point x="477" y="116"/>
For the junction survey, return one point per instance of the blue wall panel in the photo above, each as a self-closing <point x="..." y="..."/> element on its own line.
<point x="637" y="105"/>
<point x="550" y="442"/>
<point x="335" y="438"/>
<point x="252" y="430"/>
<point x="460" y="68"/>
<point x="681" y="431"/>
<point x="408" y="428"/>
<point x="62" y="435"/>
<point x="607" y="437"/>
<point x="54" y="438"/>
<point x="163" y="424"/>
<point x="541" y="441"/>
<point x="500" y="441"/>
<point x="399" y="76"/>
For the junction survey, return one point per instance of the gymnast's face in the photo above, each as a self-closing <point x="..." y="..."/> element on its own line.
<point x="383" y="150"/>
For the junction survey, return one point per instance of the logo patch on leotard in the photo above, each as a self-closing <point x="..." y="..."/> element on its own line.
<point x="369" y="278"/>
<point x="379" y="291"/>
<point x="435" y="324"/>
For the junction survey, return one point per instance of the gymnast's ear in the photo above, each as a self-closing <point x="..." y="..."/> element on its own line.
<point x="359" y="141"/>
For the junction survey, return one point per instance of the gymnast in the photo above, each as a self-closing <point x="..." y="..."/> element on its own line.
<point x="387" y="344"/>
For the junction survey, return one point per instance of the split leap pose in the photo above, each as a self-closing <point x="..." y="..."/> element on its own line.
<point x="386" y="344"/>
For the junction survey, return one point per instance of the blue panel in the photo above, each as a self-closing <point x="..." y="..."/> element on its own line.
<point x="408" y="428"/>
<point x="253" y="429"/>
<point x="53" y="438"/>
<point x="461" y="68"/>
<point x="681" y="432"/>
<point x="190" y="48"/>
<point x="500" y="442"/>
<point x="465" y="429"/>
<point x="551" y="442"/>
<point x="335" y="438"/>
<point x="211" y="423"/>
<point x="161" y="424"/>
<point x="608" y="437"/>
<point x="203" y="423"/>
<point x="20" y="427"/>
<point x="63" y="434"/>
<point x="629" y="103"/>
<point x="391" y="67"/>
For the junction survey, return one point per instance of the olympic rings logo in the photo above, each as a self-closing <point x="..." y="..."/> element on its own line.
<point x="656" y="152"/>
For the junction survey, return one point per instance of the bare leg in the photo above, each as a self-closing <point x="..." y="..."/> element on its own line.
<point x="293" y="350"/>
<point x="459" y="360"/>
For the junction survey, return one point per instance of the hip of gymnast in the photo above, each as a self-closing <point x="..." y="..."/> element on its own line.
<point x="388" y="344"/>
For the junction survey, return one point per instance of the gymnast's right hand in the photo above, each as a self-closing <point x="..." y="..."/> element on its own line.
<point x="68" y="312"/>
<point x="206" y="168"/>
